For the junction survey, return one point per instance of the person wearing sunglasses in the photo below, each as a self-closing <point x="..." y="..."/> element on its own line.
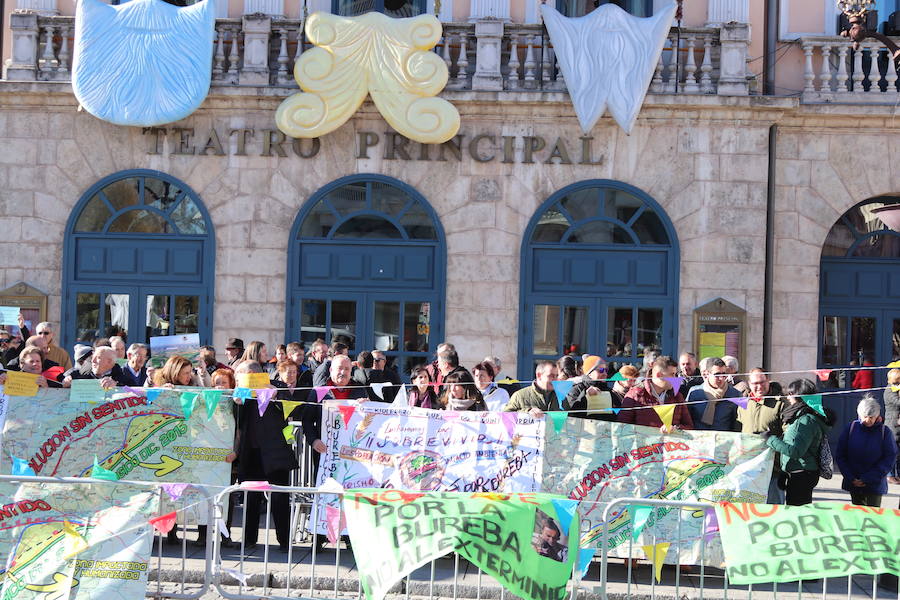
<point x="593" y="381"/>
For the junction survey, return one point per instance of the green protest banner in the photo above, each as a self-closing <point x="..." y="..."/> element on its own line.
<point x="528" y="542"/>
<point x="822" y="539"/>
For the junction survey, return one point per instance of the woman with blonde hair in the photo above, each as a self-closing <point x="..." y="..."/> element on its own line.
<point x="256" y="352"/>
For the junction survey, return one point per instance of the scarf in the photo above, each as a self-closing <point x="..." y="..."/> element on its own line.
<point x="791" y="411"/>
<point x="459" y="403"/>
<point x="713" y="395"/>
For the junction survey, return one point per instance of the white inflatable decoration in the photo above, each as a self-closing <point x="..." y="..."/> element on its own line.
<point x="608" y="58"/>
<point x="142" y="63"/>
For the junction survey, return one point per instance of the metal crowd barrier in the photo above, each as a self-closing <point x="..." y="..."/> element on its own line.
<point x="306" y="570"/>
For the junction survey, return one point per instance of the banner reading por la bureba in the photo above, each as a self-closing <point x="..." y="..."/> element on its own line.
<point x="527" y="542"/>
<point x="822" y="539"/>
<point x="599" y="461"/>
<point x="84" y="542"/>
<point x="428" y="450"/>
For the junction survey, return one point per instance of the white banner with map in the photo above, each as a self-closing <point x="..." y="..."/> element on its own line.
<point x="599" y="461"/>
<point x="382" y="446"/>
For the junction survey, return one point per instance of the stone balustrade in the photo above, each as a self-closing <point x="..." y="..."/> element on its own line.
<point x="486" y="55"/>
<point x="834" y="72"/>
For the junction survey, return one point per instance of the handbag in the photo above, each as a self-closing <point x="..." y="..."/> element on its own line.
<point x="826" y="461"/>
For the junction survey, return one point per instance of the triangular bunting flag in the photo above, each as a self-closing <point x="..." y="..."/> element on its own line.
<point x="616" y="377"/>
<point x="666" y="412"/>
<point x="401" y="398"/>
<point x="263" y="397"/>
<point x="288" y="433"/>
<point x="378" y="388"/>
<point x="20" y="466"/>
<point x="507" y="381"/>
<point x="174" y="490"/>
<point x="823" y="374"/>
<point x="77" y="542"/>
<point x="211" y="398"/>
<point x="509" y="419"/>
<point x="814" y="401"/>
<point x="152" y="395"/>
<point x="742" y="401"/>
<point x="565" y="511"/>
<point x="187" y="403"/>
<point x="321" y="391"/>
<point x="894" y="365"/>
<point x="164" y="523"/>
<point x="895" y="388"/>
<point x="242" y="393"/>
<point x="347" y="412"/>
<point x="585" y="555"/>
<point x="710" y="525"/>
<point x="656" y="555"/>
<point x="559" y="419"/>
<point x="676" y="383"/>
<point x="562" y="390"/>
<point x="98" y="472"/>
<point x="335" y="522"/>
<point x="288" y="406"/>
<point x="136" y="391"/>
<point x="639" y="516"/>
<point x="615" y="410"/>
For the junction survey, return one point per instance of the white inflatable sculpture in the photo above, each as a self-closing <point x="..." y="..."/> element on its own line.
<point x="142" y="63"/>
<point x="608" y="58"/>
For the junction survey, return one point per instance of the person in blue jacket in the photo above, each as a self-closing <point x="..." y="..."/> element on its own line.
<point x="865" y="454"/>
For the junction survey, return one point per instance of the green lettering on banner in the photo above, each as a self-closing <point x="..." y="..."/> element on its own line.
<point x="825" y="539"/>
<point x="515" y="538"/>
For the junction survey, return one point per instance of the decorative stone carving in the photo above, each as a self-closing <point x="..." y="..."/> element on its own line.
<point x="142" y="63"/>
<point x="386" y="58"/>
<point x="608" y="58"/>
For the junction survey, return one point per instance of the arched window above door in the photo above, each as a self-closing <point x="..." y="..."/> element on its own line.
<point x="860" y="233"/>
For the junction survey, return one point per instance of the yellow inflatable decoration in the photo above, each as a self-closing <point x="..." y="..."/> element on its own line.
<point x="377" y="55"/>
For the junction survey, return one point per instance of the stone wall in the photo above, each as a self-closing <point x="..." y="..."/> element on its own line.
<point x="704" y="159"/>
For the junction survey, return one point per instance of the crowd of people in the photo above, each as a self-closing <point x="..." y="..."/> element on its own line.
<point x="703" y="394"/>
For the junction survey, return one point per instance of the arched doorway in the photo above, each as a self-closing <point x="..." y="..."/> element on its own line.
<point x="859" y="284"/>
<point x="366" y="266"/>
<point x="599" y="276"/>
<point x="139" y="260"/>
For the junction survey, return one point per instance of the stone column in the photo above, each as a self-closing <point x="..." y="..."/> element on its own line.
<point x="22" y="64"/>
<point x="43" y="7"/>
<point x="488" y="49"/>
<point x="495" y="9"/>
<point x="727" y="11"/>
<point x="735" y="42"/>
<point x="255" y="68"/>
<point x="273" y="8"/>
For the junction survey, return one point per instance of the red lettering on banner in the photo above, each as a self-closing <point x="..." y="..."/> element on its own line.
<point x="759" y="513"/>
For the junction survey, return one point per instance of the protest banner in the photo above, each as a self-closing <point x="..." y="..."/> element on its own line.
<point x="90" y="542"/>
<point x="598" y="461"/>
<point x="822" y="539"/>
<point x="380" y="445"/>
<point x="137" y="441"/>
<point x="527" y="542"/>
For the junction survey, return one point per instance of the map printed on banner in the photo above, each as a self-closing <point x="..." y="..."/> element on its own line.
<point x="134" y="440"/>
<point x="427" y="450"/>
<point x="600" y="462"/>
<point x="61" y="545"/>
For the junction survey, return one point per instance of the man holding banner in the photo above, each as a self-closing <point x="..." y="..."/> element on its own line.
<point x="657" y="392"/>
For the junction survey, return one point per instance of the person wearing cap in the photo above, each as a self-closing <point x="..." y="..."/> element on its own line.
<point x="234" y="349"/>
<point x="593" y="381"/>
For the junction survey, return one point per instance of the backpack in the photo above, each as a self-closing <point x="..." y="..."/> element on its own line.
<point x="826" y="461"/>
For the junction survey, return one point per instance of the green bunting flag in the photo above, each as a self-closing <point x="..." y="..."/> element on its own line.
<point x="515" y="538"/>
<point x="617" y="377"/>
<point x="814" y="401"/>
<point x="818" y="540"/>
<point x="98" y="472"/>
<point x="211" y="398"/>
<point x="558" y="417"/>
<point x="288" y="433"/>
<point x="187" y="403"/>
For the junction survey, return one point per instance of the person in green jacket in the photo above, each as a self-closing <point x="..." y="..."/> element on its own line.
<point x="804" y="430"/>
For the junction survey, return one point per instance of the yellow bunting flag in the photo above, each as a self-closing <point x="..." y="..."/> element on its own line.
<point x="288" y="407"/>
<point x="254" y="381"/>
<point x="894" y="365"/>
<point x="21" y="384"/>
<point x="507" y="381"/>
<point x="665" y="412"/>
<point x="77" y="541"/>
<point x="288" y="433"/>
<point x="656" y="554"/>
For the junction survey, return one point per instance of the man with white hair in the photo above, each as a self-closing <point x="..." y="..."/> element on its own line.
<point x="134" y="373"/>
<point x="103" y="367"/>
<point x="53" y="352"/>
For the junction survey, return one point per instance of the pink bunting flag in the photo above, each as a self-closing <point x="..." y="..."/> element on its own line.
<point x="164" y="523"/>
<point x="509" y="421"/>
<point x="321" y="390"/>
<point x="263" y="397"/>
<point x="742" y="401"/>
<point x="823" y="374"/>
<point x="334" y="523"/>
<point x="174" y="490"/>
<point x="136" y="391"/>
<point x="256" y="485"/>
<point x="676" y="383"/>
<point x="346" y="413"/>
<point x="710" y="525"/>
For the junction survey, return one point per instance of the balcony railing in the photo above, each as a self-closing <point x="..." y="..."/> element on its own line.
<point x="834" y="72"/>
<point x="487" y="55"/>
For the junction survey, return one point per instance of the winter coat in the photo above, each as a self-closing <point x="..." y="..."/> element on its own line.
<point x="800" y="446"/>
<point x="532" y="397"/>
<point x="892" y="410"/>
<point x="640" y="395"/>
<point x="576" y="399"/>
<point x="725" y="415"/>
<point x="866" y="453"/>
